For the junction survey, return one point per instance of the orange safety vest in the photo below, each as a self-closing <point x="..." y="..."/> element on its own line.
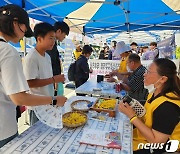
<point x="122" y="67"/>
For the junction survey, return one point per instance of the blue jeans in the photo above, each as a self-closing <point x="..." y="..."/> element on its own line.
<point x="3" y="142"/>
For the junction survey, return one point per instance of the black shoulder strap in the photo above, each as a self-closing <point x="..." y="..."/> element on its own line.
<point x="2" y="40"/>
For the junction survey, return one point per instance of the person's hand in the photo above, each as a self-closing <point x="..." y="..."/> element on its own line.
<point x="59" y="78"/>
<point x="113" y="73"/>
<point x="126" y="109"/>
<point x="111" y="79"/>
<point x="107" y="76"/>
<point x="120" y="76"/>
<point x="61" y="100"/>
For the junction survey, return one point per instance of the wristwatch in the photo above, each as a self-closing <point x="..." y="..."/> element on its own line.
<point x="54" y="101"/>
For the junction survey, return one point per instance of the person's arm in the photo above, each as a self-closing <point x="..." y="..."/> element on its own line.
<point x="151" y="135"/>
<point x="23" y="98"/>
<point x="15" y="85"/>
<point x="40" y="82"/>
<point x="120" y="76"/>
<point x="125" y="87"/>
<point x="111" y="74"/>
<point x="124" y="79"/>
<point x="43" y="82"/>
<point x="124" y="73"/>
<point x="111" y="77"/>
<point x="123" y="76"/>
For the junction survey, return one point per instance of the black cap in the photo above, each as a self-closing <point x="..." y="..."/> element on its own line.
<point x="16" y="12"/>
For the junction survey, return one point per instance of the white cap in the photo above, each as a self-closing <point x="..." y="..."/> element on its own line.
<point x="121" y="47"/>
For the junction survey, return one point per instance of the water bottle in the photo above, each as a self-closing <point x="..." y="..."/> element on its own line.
<point x="123" y="93"/>
<point x="60" y="90"/>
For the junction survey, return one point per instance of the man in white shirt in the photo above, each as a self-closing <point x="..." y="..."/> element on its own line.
<point x="37" y="65"/>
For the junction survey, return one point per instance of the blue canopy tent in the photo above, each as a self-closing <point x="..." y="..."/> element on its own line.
<point x="103" y="16"/>
<point x="17" y="45"/>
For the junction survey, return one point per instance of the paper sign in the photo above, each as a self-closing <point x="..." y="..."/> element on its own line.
<point x="101" y="138"/>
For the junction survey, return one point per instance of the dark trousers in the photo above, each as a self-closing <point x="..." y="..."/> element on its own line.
<point x="18" y="113"/>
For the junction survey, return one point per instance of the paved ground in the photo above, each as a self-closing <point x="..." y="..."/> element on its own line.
<point x="23" y="121"/>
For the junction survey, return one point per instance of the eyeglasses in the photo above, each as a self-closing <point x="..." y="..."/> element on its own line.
<point x="149" y="72"/>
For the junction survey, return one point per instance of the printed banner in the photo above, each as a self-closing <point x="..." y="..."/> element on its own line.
<point x="167" y="48"/>
<point x="102" y="67"/>
<point x="69" y="47"/>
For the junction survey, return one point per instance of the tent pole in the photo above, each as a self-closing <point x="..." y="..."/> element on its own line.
<point x="83" y="39"/>
<point x="75" y="25"/>
<point x="25" y="50"/>
<point x="7" y="2"/>
<point x="44" y="12"/>
<point x="91" y="1"/>
<point x="45" y="6"/>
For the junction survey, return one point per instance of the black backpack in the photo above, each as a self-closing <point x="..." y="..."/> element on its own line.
<point x="72" y="71"/>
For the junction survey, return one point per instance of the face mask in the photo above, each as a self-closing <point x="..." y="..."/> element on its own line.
<point x="128" y="69"/>
<point x="151" y="88"/>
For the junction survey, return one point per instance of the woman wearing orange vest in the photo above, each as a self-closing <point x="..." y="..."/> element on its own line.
<point x="161" y="121"/>
<point x="123" y="50"/>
